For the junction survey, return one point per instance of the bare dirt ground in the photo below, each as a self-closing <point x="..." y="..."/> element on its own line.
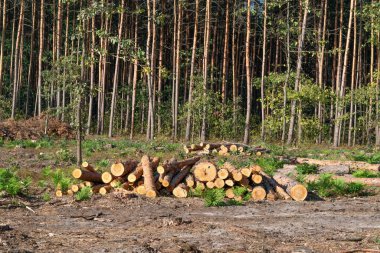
<point x="137" y="224"/>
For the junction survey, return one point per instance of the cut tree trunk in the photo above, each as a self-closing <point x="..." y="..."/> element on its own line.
<point x="219" y="183"/>
<point x="205" y="171"/>
<point x="258" y="193"/>
<point x="179" y="177"/>
<point x="149" y="181"/>
<point x="122" y="169"/>
<point x="87" y="166"/>
<point x="107" y="177"/>
<point x="87" y="176"/>
<point x="190" y="182"/>
<point x="349" y="179"/>
<point x="181" y="191"/>
<point x="279" y="190"/>
<point x="296" y="190"/>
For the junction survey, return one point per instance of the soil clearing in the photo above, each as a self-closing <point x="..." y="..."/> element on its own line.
<point x="137" y="224"/>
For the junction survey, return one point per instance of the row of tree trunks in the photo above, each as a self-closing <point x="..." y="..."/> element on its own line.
<point x="352" y="165"/>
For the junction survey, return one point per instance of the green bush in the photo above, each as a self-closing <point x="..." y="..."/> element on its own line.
<point x="12" y="184"/>
<point x="83" y="194"/>
<point x="270" y="165"/>
<point x="305" y="169"/>
<point x="326" y="186"/>
<point x="365" y="174"/>
<point x="60" y="181"/>
<point x="64" y="155"/>
<point x="214" y="197"/>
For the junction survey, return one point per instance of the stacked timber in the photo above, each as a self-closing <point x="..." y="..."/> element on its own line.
<point x="151" y="178"/>
<point x="224" y="149"/>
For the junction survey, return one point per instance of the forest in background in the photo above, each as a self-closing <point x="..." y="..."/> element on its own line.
<point x="290" y="71"/>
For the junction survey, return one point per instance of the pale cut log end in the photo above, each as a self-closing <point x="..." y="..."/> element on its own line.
<point x="132" y="178"/>
<point x="205" y="171"/>
<point x="58" y="194"/>
<point x="223" y="173"/>
<point x="219" y="183"/>
<point x="237" y="176"/>
<point x="77" y="173"/>
<point x="298" y="192"/>
<point x="160" y="169"/>
<point x="256" y="168"/>
<point x="258" y="193"/>
<point x="117" y="169"/>
<point x="107" y="177"/>
<point x="210" y="185"/>
<point x="246" y="172"/>
<point x="229" y="182"/>
<point x="75" y="188"/>
<point x="70" y="192"/>
<point x="230" y="193"/>
<point x="233" y="148"/>
<point x="141" y="190"/>
<point x="257" y="179"/>
<point x="180" y="191"/>
<point x="151" y="194"/>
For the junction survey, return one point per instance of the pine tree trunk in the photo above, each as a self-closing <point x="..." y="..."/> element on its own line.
<point x="116" y="73"/>
<point x="135" y="68"/>
<point x="248" y="76"/>
<point x="263" y="72"/>
<point x="41" y="49"/>
<point x="298" y="72"/>
<point x="225" y="54"/>
<point x="192" y="69"/>
<point x="4" y="24"/>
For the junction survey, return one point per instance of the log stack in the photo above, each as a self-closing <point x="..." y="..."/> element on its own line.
<point x="172" y="177"/>
<point x="223" y="149"/>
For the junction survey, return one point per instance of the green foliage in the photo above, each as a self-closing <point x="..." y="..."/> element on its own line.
<point x="365" y="174"/>
<point x="196" y="192"/>
<point x="370" y="158"/>
<point x="305" y="169"/>
<point x="269" y="164"/>
<point x="233" y="202"/>
<point x="326" y="186"/>
<point x="60" y="180"/>
<point x="104" y="163"/>
<point x="214" y="197"/>
<point x="240" y="190"/>
<point x="12" y="184"/>
<point x="46" y="197"/>
<point x="64" y="155"/>
<point x="84" y="194"/>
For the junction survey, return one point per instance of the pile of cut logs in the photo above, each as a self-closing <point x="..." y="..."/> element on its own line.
<point x="150" y="178"/>
<point x="223" y="149"/>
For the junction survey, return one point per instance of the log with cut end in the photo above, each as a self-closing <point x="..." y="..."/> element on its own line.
<point x="167" y="166"/>
<point x="96" y="188"/>
<point x="149" y="181"/>
<point x="279" y="190"/>
<point x="219" y="183"/>
<point x="229" y="182"/>
<point x="87" y="176"/>
<point x="236" y="174"/>
<point x="138" y="172"/>
<point x="223" y="173"/>
<point x="87" y="166"/>
<point x="233" y="148"/>
<point x="205" y="171"/>
<point x="122" y="169"/>
<point x="58" y="193"/>
<point x="168" y="178"/>
<point x="210" y="185"/>
<point x="75" y="188"/>
<point x="230" y="193"/>
<point x="177" y="179"/>
<point x="296" y="190"/>
<point x="258" y="193"/>
<point x="256" y="178"/>
<point x="88" y="183"/>
<point x="70" y="192"/>
<point x="181" y="191"/>
<point x="192" y="148"/>
<point x="340" y="169"/>
<point x="200" y="185"/>
<point x="107" y="177"/>
<point x="190" y="182"/>
<point x="256" y="168"/>
<point x="141" y="190"/>
<point x="353" y="165"/>
<point x="246" y="172"/>
<point x="105" y="189"/>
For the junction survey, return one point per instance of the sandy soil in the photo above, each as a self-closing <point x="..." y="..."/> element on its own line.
<point x="111" y="224"/>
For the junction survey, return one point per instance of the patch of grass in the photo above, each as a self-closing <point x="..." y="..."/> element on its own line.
<point x="305" y="169"/>
<point x="46" y="197"/>
<point x="269" y="164"/>
<point x="214" y="197"/>
<point x="365" y="174"/>
<point x="12" y="184"/>
<point x="84" y="194"/>
<point x="64" y="155"/>
<point x="369" y="158"/>
<point x="326" y="186"/>
<point x="1" y="142"/>
<point x="104" y="163"/>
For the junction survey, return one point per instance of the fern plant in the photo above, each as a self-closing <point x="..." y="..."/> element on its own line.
<point x="214" y="197"/>
<point x="12" y="184"/>
<point x="83" y="194"/>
